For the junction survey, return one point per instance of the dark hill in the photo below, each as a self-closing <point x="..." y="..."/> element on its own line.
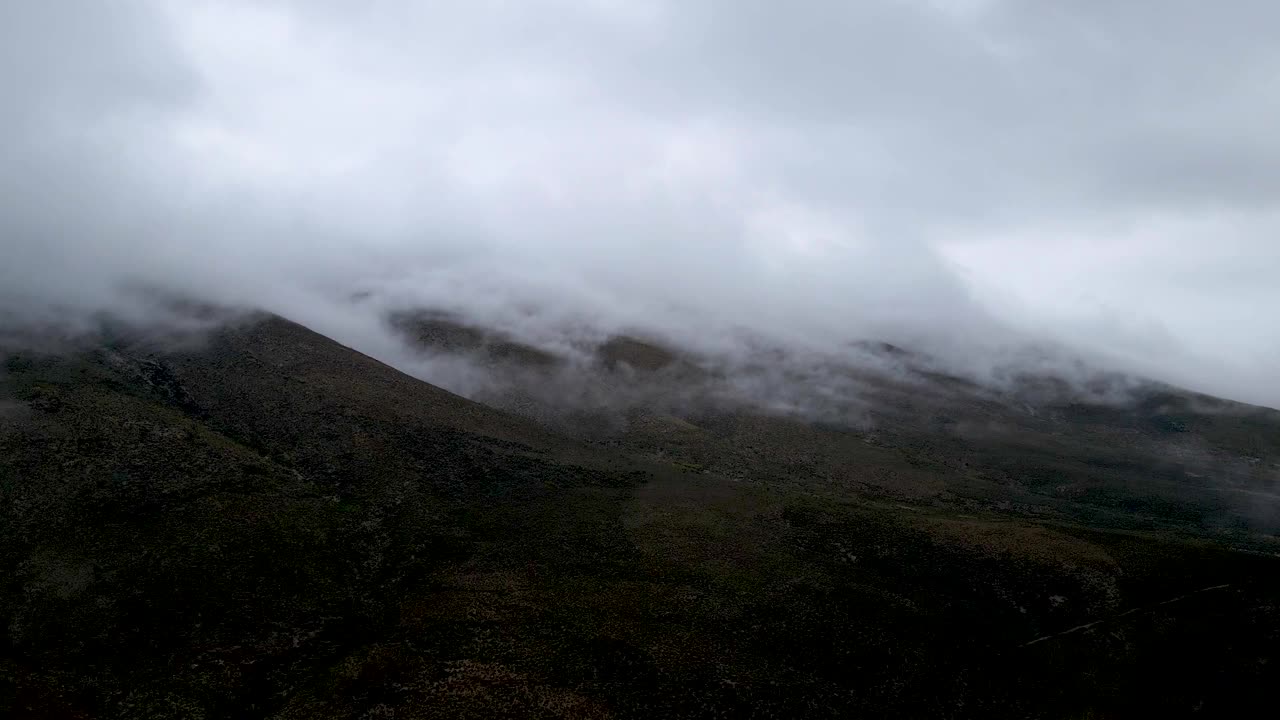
<point x="268" y="524"/>
<point x="1105" y="450"/>
<point x="441" y="332"/>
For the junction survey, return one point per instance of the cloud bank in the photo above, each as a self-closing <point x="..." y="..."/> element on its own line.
<point x="961" y="175"/>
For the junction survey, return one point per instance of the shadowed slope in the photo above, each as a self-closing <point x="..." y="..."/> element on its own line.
<point x="246" y="508"/>
<point x="878" y="418"/>
<point x="268" y="524"/>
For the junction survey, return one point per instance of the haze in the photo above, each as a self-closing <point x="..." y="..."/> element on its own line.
<point x="962" y="175"/>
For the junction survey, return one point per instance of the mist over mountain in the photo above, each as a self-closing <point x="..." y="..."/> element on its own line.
<point x="649" y="359"/>
<point x="244" y="517"/>
<point x="966" y="176"/>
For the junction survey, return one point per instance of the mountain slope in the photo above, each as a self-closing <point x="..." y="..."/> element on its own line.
<point x="268" y="524"/>
<point x="878" y="419"/>
<point x="268" y="485"/>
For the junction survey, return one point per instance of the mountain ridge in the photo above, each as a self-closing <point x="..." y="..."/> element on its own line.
<point x="265" y="523"/>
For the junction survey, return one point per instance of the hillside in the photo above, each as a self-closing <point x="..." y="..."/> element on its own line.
<point x="264" y="523"/>
<point x="883" y="420"/>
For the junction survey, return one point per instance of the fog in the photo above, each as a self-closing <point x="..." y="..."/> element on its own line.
<point x="986" y="180"/>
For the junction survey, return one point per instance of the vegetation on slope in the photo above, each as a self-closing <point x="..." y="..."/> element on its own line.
<point x="271" y="525"/>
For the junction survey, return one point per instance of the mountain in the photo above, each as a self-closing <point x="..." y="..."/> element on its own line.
<point x="256" y="521"/>
<point x="1104" y="449"/>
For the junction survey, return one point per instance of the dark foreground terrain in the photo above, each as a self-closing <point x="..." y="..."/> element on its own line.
<point x="262" y="523"/>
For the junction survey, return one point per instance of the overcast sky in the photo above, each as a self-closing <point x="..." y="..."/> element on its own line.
<point x="1102" y="174"/>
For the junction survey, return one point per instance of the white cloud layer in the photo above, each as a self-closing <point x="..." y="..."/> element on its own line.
<point x="1098" y="174"/>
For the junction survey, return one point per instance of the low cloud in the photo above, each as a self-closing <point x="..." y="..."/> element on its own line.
<point x="969" y="178"/>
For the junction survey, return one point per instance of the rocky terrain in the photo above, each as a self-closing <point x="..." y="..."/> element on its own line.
<point x="258" y="522"/>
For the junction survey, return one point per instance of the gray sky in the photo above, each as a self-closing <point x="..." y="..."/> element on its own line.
<point x="1101" y="174"/>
